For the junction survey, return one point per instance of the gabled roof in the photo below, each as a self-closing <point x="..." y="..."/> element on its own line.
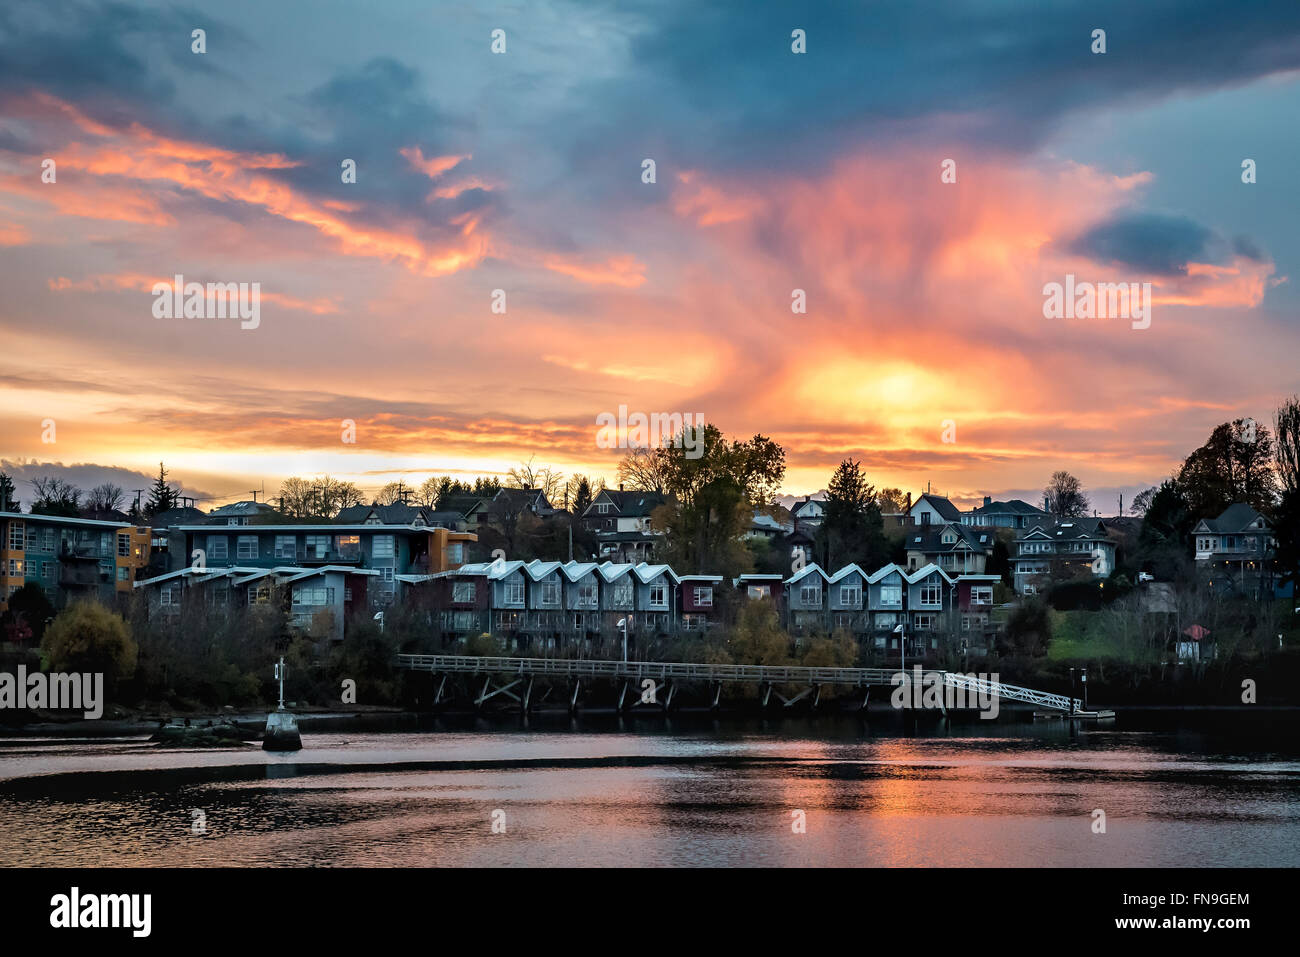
<point x="947" y="511"/>
<point x="807" y="505"/>
<point x="1013" y="506"/>
<point x="805" y="571"/>
<point x="611" y="571"/>
<point x="1236" y="518"/>
<point x="846" y="571"/>
<point x="396" y="514"/>
<point x="575" y="570"/>
<point x="925" y="571"/>
<point x="511" y="501"/>
<point x="463" y="505"/>
<point x="629" y="504"/>
<point x="648" y="573"/>
<point x="1066" y="530"/>
<point x="880" y="573"/>
<point x="923" y="538"/>
<point x="241" y="508"/>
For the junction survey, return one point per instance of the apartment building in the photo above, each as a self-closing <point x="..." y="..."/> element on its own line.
<point x="69" y="557"/>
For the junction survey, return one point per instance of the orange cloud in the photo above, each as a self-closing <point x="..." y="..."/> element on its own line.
<point x="623" y="271"/>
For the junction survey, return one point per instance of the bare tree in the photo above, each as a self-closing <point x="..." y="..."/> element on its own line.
<point x="526" y="475"/>
<point x="644" y="470"/>
<point x="105" y="497"/>
<point x="1287" y="443"/>
<point x="1064" y="496"/>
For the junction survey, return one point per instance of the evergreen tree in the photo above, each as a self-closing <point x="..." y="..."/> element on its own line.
<point x="161" y="495"/>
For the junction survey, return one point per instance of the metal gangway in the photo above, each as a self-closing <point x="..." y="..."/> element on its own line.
<point x="669" y="672"/>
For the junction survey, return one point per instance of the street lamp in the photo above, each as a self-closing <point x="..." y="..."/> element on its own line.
<point x="902" y="646"/>
<point x="379" y="617"/>
<point x="622" y="625"/>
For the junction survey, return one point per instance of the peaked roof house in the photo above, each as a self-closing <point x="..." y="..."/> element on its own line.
<point x="1236" y="550"/>
<point x="1014" y="513"/>
<point x="957" y="549"/>
<point x="1059" y="549"/>
<point x="807" y="515"/>
<point x="930" y="509"/>
<point x="621" y="522"/>
<point x="240" y="513"/>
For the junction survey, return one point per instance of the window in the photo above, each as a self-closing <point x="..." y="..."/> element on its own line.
<point x="15" y="567"/>
<point x="549" y="594"/>
<point x="932" y="594"/>
<point x="316" y="546"/>
<point x="891" y="594"/>
<point x="247" y="546"/>
<point x="259" y="594"/>
<point x="851" y="595"/>
<point x="623" y="594"/>
<point x="760" y="591"/>
<point x="348" y="546"/>
<point x="381" y="546"/>
<point x="105" y="544"/>
<point x="924" y="622"/>
<point x="694" y="622"/>
<point x="810" y="592"/>
<point x="16" y="535"/>
<point x="658" y="595"/>
<point x="217" y="548"/>
<point x="170" y="594"/>
<point x="949" y="538"/>
<point x="981" y="594"/>
<point x="602" y="508"/>
<point x="47" y="570"/>
<point x="386" y="575"/>
<point x="462" y="591"/>
<point x="49" y="540"/>
<point x="455" y="553"/>
<point x="949" y="561"/>
<point x="313" y="595"/>
<point x="123" y="574"/>
<point x="965" y="622"/>
<point x="123" y="546"/>
<point x="704" y="597"/>
<point x="587" y="595"/>
<point x="286" y="546"/>
<point x="514" y="593"/>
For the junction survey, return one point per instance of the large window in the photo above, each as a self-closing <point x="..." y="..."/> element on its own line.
<point x="381" y="546"/>
<point x="891" y="594"/>
<point x="286" y="546"/>
<point x="549" y="594"/>
<point x="923" y="622"/>
<point x="932" y="594"/>
<point x="759" y="591"/>
<point x="316" y="546"/>
<point x="247" y="546"/>
<point x="851" y="594"/>
<point x="587" y="595"/>
<point x="16" y="535"/>
<point x="623" y="594"/>
<point x="981" y="594"/>
<point x="259" y="594"/>
<point x="313" y="595"/>
<point x="123" y="546"/>
<point x="169" y="594"/>
<point x="810" y="592"/>
<point x="658" y="595"/>
<point x="217" y="548"/>
<point x="704" y="597"/>
<point x="514" y="593"/>
<point x="349" y="546"/>
<point x="462" y="591"/>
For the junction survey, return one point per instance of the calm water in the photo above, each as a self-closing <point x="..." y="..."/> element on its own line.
<point x="686" y="792"/>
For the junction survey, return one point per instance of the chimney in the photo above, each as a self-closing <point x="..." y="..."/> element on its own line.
<point x="620" y="486"/>
<point x="988" y="500"/>
<point x="908" y="508"/>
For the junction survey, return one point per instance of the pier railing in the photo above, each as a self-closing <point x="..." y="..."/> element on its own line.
<point x="683" y="671"/>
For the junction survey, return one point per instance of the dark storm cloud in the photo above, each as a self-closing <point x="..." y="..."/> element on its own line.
<point x="716" y="84"/>
<point x="1159" y="244"/>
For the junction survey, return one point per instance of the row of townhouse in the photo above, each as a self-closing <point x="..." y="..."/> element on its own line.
<point x="542" y="604"/>
<point x="887" y="606"/>
<point x="69" y="557"/>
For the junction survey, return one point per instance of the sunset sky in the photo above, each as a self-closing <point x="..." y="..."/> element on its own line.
<point x="522" y="171"/>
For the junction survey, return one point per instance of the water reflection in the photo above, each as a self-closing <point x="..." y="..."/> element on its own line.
<point x="683" y="791"/>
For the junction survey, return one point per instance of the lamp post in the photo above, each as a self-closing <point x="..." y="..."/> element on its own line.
<point x="622" y="625"/>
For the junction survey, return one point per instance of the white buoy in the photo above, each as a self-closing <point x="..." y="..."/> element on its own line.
<point x="281" y="726"/>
